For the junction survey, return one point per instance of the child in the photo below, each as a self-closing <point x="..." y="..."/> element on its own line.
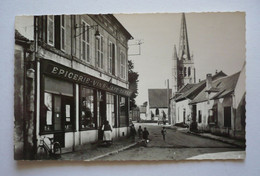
<point x="163" y="133"/>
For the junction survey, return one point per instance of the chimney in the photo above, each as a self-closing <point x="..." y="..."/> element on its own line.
<point x="208" y="81"/>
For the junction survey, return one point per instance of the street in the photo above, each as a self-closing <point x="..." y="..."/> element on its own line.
<point x="178" y="146"/>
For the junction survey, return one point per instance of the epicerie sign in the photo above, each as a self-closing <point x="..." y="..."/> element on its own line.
<point x="63" y="72"/>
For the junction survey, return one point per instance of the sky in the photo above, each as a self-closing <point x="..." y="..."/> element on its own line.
<point x="216" y="40"/>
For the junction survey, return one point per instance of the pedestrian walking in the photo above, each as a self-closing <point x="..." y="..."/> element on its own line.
<point x="132" y="132"/>
<point x="140" y="132"/>
<point x="145" y="136"/>
<point x="163" y="133"/>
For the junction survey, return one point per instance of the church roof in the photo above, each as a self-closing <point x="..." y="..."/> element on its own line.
<point x="158" y="98"/>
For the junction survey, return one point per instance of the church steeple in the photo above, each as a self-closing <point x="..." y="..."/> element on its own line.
<point x="184" y="52"/>
<point x="183" y="70"/>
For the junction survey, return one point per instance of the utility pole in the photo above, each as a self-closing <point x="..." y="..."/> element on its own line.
<point x="168" y="101"/>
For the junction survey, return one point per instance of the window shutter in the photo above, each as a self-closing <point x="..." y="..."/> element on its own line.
<point x="57" y="32"/>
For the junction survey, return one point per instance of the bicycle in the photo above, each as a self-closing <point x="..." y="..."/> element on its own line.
<point x="45" y="151"/>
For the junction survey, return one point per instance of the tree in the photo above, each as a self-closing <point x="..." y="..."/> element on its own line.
<point x="133" y="83"/>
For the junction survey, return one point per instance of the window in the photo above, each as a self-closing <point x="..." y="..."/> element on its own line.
<point x="200" y="118"/>
<point x="189" y="72"/>
<point x="85" y="47"/>
<point x="227" y="116"/>
<point x="56" y="31"/>
<point x="122" y="65"/>
<point x="50" y="30"/>
<point x="123" y="111"/>
<point x="111" y="58"/>
<point x="156" y="111"/>
<point x="111" y="109"/>
<point x="87" y="117"/>
<point x="62" y="32"/>
<point x="185" y="71"/>
<point x="100" y="51"/>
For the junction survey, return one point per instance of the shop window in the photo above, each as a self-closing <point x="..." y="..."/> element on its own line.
<point x="57" y="113"/>
<point x="85" y="47"/>
<point x="87" y="116"/>
<point x="123" y="112"/>
<point x="111" y="58"/>
<point x="122" y="65"/>
<point x="100" y="51"/>
<point x="111" y="109"/>
<point x="57" y="110"/>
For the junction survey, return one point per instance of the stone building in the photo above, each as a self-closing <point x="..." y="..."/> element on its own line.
<point x="80" y="79"/>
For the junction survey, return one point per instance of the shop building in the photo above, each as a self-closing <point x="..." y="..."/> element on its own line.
<point x="81" y="78"/>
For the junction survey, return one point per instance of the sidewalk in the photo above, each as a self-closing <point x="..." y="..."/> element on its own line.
<point x="90" y="152"/>
<point x="231" y="141"/>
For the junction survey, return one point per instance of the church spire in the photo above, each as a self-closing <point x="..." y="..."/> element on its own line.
<point x="184" y="52"/>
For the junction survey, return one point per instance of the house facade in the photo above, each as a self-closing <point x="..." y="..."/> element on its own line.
<point x="214" y="107"/>
<point x="80" y="79"/>
<point x="184" y="96"/>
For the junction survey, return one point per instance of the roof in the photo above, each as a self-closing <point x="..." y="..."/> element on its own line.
<point x="223" y="86"/>
<point x="115" y="21"/>
<point x="158" y="98"/>
<point x="19" y="36"/>
<point x="194" y="89"/>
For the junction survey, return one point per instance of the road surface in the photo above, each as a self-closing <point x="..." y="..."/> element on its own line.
<point x="178" y="146"/>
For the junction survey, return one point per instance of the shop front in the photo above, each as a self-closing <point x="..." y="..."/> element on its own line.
<point x="75" y="105"/>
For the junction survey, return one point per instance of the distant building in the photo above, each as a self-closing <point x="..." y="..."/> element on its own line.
<point x="158" y="103"/>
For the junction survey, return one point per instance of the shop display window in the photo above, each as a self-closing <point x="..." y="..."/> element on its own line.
<point x="123" y="112"/>
<point x="111" y="109"/>
<point x="87" y="115"/>
<point x="57" y="109"/>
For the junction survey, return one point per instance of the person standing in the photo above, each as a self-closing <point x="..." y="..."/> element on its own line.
<point x="132" y="132"/>
<point x="163" y="133"/>
<point x="140" y="132"/>
<point x="107" y="137"/>
<point x="145" y="134"/>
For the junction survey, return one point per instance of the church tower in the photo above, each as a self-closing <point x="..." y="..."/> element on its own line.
<point x="183" y="63"/>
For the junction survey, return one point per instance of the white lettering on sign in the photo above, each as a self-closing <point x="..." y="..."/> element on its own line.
<point x="54" y="70"/>
<point x="66" y="73"/>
